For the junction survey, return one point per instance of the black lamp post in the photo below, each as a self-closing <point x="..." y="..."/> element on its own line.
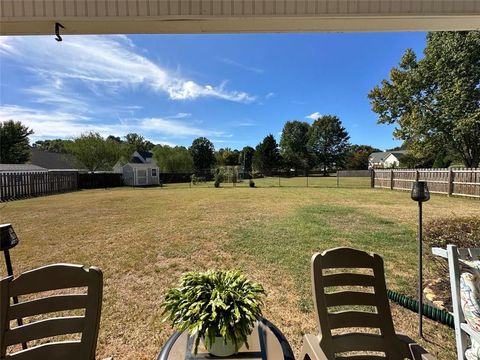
<point x="8" y="240"/>
<point x="420" y="194"/>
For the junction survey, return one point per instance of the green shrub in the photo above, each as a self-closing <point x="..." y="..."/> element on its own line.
<point x="215" y="303"/>
<point x="193" y="179"/>
<point x="218" y="177"/>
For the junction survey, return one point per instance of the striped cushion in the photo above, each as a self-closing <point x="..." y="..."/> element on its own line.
<point x="470" y="297"/>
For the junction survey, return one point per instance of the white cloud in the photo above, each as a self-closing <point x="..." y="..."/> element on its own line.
<point x="176" y="128"/>
<point x="313" y="116"/>
<point x="269" y="95"/>
<point x="104" y="64"/>
<point x="55" y="124"/>
<point x="242" y="66"/>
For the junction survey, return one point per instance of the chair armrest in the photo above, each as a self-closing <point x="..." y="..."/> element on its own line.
<point x="311" y="347"/>
<point x="415" y="350"/>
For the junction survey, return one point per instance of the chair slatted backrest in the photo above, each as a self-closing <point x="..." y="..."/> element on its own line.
<point x="47" y="279"/>
<point x="354" y="280"/>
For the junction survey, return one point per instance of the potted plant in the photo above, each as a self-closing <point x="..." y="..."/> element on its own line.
<point x="219" y="307"/>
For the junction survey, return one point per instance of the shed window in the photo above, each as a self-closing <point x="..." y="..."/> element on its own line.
<point x="154" y="172"/>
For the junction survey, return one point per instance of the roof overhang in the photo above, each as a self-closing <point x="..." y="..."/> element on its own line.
<point x="37" y="17"/>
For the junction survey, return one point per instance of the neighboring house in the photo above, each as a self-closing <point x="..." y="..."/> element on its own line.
<point x="141" y="170"/>
<point x="54" y="161"/>
<point x="14" y="168"/>
<point x="385" y="159"/>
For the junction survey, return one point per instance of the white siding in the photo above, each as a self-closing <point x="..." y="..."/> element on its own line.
<point x="391" y="161"/>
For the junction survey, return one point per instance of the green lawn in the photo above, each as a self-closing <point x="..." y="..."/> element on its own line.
<point x="144" y="239"/>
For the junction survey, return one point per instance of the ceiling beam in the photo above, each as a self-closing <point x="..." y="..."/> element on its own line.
<point x="37" y="17"/>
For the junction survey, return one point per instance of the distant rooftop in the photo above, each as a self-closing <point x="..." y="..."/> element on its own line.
<point x="51" y="160"/>
<point x="20" y="168"/>
<point x="378" y="157"/>
<point x="145" y="154"/>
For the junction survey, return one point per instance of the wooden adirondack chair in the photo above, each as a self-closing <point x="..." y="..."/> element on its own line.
<point x="342" y="268"/>
<point x="52" y="277"/>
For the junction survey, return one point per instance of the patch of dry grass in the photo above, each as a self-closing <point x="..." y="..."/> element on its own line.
<point x="144" y="239"/>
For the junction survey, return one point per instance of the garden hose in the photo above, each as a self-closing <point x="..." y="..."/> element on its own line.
<point x="429" y="311"/>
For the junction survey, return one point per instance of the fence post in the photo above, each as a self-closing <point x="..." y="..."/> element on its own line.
<point x="372" y="178"/>
<point x="391" y="179"/>
<point x="417" y="175"/>
<point x="450" y="182"/>
<point x="338" y="178"/>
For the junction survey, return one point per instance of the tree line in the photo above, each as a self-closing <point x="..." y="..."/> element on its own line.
<point x="322" y="145"/>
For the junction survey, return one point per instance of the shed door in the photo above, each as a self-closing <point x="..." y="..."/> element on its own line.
<point x="141" y="177"/>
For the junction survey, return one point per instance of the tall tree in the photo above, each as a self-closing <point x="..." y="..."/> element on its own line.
<point x="55" y="145"/>
<point x="357" y="156"/>
<point x="94" y="152"/>
<point x="14" y="142"/>
<point x="293" y="145"/>
<point x="136" y="142"/>
<point x="173" y="159"/>
<point x="114" y="138"/>
<point x="246" y="158"/>
<point x="267" y="156"/>
<point x="328" y="142"/>
<point x="203" y="154"/>
<point x="435" y="101"/>
<point x="227" y="157"/>
<point x="232" y="158"/>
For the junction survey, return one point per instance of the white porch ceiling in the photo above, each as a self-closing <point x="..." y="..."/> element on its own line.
<point x="35" y="17"/>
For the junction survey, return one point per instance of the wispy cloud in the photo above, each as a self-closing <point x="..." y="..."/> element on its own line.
<point x="104" y="65"/>
<point x="270" y="95"/>
<point x="242" y="66"/>
<point x="243" y="123"/>
<point x="172" y="127"/>
<point x="314" y="116"/>
<point x="48" y="124"/>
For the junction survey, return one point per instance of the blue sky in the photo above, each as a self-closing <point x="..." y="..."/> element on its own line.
<point x="233" y="89"/>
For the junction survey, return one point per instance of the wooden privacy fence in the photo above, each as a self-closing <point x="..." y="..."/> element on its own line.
<point x="460" y="182"/>
<point x="21" y="185"/>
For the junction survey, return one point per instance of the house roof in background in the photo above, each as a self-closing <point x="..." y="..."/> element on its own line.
<point x="20" y="168"/>
<point x="398" y="154"/>
<point x="50" y="160"/>
<point x="378" y="157"/>
<point x="145" y="154"/>
<point x="136" y="160"/>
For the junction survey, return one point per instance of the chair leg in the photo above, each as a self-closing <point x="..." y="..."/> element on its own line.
<point x="303" y="353"/>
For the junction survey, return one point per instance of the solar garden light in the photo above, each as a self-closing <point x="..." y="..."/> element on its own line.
<point x="8" y="240"/>
<point x="420" y="194"/>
